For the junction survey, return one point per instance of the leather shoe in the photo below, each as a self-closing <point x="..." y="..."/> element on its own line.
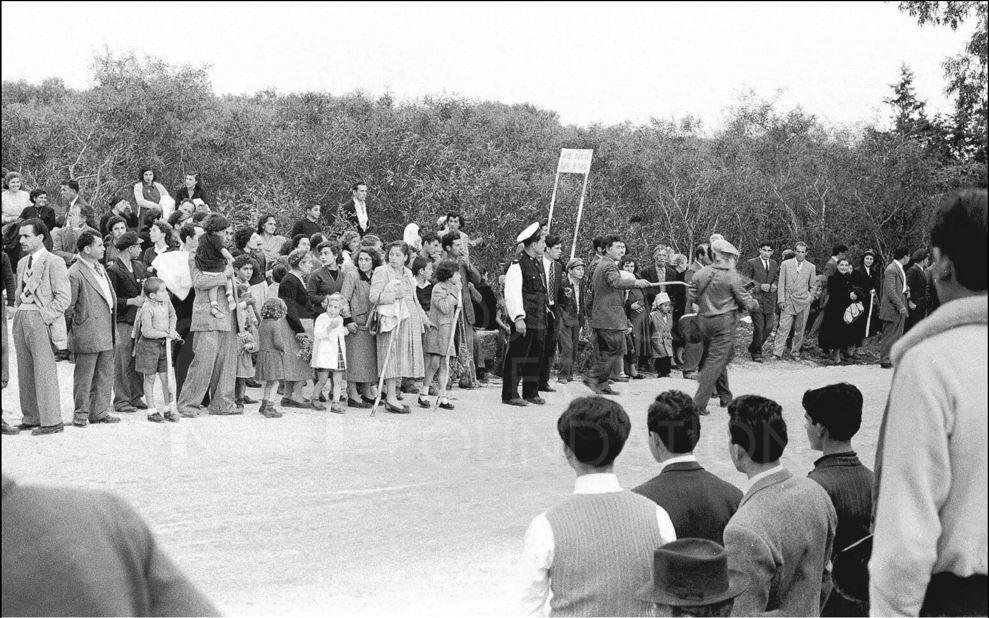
<point x="886" y="365"/>
<point x="248" y="401"/>
<point x="231" y="412"/>
<point x="10" y="431"/>
<point x="607" y="390"/>
<point x="536" y="400"/>
<point x="446" y="405"/>
<point x="757" y="358"/>
<point x="638" y="376"/>
<point x="80" y="422"/>
<point x="366" y="399"/>
<point x="621" y="379"/>
<point x="139" y="404"/>
<point x="44" y="431"/>
<point x="109" y="418"/>
<point x="125" y="408"/>
<point x="252" y="383"/>
<point x="546" y="388"/>
<point x="25" y="426"/>
<point x="423" y="403"/>
<point x="515" y="402"/>
<point x="396" y="409"/>
<point x="353" y="403"/>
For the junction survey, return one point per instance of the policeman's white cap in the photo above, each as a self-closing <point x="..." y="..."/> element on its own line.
<point x="528" y="233"/>
<point x="725" y="247"/>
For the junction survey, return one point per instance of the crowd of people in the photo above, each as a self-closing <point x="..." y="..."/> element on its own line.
<point x="157" y="288"/>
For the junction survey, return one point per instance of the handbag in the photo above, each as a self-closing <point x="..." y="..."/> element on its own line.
<point x="853" y="311"/>
<point x="372" y="322"/>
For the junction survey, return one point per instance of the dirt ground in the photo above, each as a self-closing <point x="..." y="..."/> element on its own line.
<point x="316" y="512"/>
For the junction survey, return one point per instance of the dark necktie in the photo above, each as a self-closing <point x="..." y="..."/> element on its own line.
<point x="765" y="264"/>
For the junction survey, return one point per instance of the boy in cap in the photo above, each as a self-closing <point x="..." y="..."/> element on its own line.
<point x="570" y="317"/>
<point x="594" y="549"/>
<point x="719" y="292"/>
<point x="690" y="577"/>
<point x="525" y="299"/>
<point x="661" y="333"/>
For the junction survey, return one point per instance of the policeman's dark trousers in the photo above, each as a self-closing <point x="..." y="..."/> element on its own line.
<point x="718" y="341"/>
<point x="608" y="360"/>
<point x="522" y="364"/>
<point x="569" y="339"/>
<point x="762" y="324"/>
<point x="548" y="351"/>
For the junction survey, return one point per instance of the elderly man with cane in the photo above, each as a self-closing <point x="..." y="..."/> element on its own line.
<point x="718" y="292"/>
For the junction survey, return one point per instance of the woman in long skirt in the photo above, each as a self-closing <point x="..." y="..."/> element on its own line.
<point x="362" y="351"/>
<point x="393" y="292"/>
<point x="298" y="322"/>
<point x="836" y="336"/>
<point x="639" y="344"/>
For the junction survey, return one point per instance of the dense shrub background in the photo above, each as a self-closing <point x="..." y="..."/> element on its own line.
<point x="768" y="173"/>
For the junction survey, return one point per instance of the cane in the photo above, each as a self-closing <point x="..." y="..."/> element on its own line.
<point x="381" y="378"/>
<point x="868" y="318"/>
<point x="446" y="356"/>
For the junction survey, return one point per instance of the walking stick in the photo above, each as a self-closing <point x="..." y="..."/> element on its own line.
<point x="381" y="378"/>
<point x="446" y="356"/>
<point x="868" y="318"/>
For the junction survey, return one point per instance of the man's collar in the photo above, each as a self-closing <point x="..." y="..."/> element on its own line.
<point x="39" y="253"/>
<point x="762" y="476"/>
<point x="689" y="457"/>
<point x="597" y="483"/>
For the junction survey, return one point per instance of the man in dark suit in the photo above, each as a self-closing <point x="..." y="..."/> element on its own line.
<point x="92" y="313"/>
<point x="69" y="192"/>
<point x="570" y="317"/>
<point x="454" y="244"/>
<point x="764" y="271"/>
<point x="692" y="350"/>
<point x="127" y="274"/>
<point x="893" y="308"/>
<point x="783" y="532"/>
<point x="608" y="314"/>
<point x="354" y="211"/>
<point x="98" y="549"/>
<point x="554" y="278"/>
<point x="699" y="503"/>
<point x="917" y="284"/>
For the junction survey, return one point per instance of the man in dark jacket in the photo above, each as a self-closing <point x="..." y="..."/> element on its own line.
<point x="699" y="503"/>
<point x="354" y="211"/>
<point x="99" y="551"/>
<point x="833" y="415"/>
<point x="763" y="271"/>
<point x="608" y="314"/>
<point x="127" y="274"/>
<point x="570" y="317"/>
<point x="917" y="283"/>
<point x="525" y="301"/>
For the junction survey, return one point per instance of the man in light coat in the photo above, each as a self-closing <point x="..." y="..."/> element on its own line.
<point x="783" y="532"/>
<point x="794" y="297"/>
<point x="41" y="299"/>
<point x="92" y="313"/>
<point x="893" y="308"/>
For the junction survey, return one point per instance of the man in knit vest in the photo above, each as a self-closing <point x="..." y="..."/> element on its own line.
<point x="594" y="549"/>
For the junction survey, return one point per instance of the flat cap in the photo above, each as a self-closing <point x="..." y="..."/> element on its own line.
<point x="723" y="246"/>
<point x="574" y="262"/>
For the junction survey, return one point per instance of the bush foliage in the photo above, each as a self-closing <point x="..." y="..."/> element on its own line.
<point x="773" y="174"/>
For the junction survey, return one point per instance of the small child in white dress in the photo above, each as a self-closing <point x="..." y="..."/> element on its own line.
<point x="329" y="352"/>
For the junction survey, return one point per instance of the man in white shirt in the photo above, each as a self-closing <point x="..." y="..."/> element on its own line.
<point x="554" y="274"/>
<point x="92" y="312"/>
<point x="593" y="550"/>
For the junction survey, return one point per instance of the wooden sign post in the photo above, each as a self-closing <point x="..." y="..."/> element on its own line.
<point x="572" y="162"/>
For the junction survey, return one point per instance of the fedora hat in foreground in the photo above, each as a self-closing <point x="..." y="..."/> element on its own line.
<point x="691" y="572"/>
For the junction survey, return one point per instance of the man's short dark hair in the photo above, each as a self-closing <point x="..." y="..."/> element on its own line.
<point x="216" y="223"/>
<point x="128" y="240"/>
<point x="418" y="264"/>
<point x="428" y="237"/>
<point x="756" y="424"/>
<point x="594" y="429"/>
<point x="553" y="240"/>
<point x="86" y="239"/>
<point x="765" y="243"/>
<point x="445" y="269"/>
<point x="598" y="243"/>
<point x="186" y="232"/>
<point x="278" y="272"/>
<point x="332" y="245"/>
<point x="959" y="232"/>
<point x="72" y="184"/>
<point x="838" y="407"/>
<point x="242" y="260"/>
<point x="317" y="239"/>
<point x="611" y="239"/>
<point x="242" y="236"/>
<point x="674" y="418"/>
<point x="38" y="227"/>
<point x="918" y="256"/>
<point x="839" y="249"/>
<point x="448" y="239"/>
<point x="700" y="251"/>
<point x="357" y="184"/>
<point x="33" y="196"/>
<point x="459" y="216"/>
<point x="114" y="220"/>
<point x="900" y="252"/>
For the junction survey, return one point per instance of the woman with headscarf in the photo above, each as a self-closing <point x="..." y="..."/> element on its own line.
<point x="838" y="337"/>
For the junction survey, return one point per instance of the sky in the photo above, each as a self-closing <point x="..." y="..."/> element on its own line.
<point x="590" y="62"/>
